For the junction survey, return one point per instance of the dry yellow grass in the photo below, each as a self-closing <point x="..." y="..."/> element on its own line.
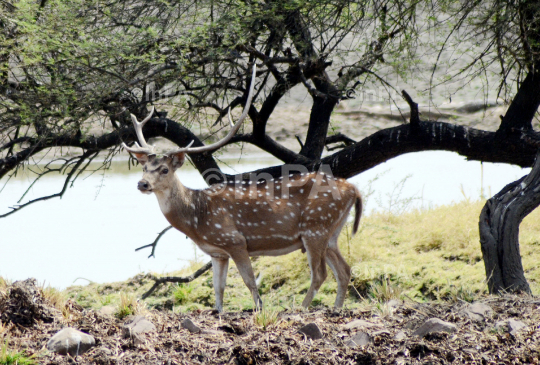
<point x="129" y="305"/>
<point x="54" y="297"/>
<point x="434" y="253"/>
<point x="3" y="283"/>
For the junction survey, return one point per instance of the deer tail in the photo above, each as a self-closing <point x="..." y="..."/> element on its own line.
<point x="357" y="211"/>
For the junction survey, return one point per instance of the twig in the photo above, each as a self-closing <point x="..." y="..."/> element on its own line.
<point x="153" y="244"/>
<point x="415" y="117"/>
<point x="339" y="137"/>
<point x="176" y="279"/>
<point x="74" y="169"/>
<point x="299" y="140"/>
<point x="339" y="146"/>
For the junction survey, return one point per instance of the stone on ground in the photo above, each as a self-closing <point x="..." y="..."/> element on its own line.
<point x="359" y="339"/>
<point x="401" y="335"/>
<point x="434" y="325"/>
<point x="311" y="330"/>
<point x="360" y="323"/>
<point x="70" y="341"/>
<point x="477" y="311"/>
<point x="511" y="325"/>
<point x="107" y="310"/>
<point x="190" y="326"/>
<point x="136" y="326"/>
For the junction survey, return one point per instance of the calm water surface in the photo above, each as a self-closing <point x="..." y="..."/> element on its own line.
<point x="93" y="231"/>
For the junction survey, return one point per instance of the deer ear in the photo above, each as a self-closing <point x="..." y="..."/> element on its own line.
<point x="143" y="158"/>
<point x="177" y="159"/>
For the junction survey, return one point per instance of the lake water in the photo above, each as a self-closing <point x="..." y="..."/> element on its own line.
<point x="92" y="232"/>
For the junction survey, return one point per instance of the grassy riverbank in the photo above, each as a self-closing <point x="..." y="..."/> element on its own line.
<point x="429" y="254"/>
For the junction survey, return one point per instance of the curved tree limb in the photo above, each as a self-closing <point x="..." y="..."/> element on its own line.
<point x="176" y="279"/>
<point x="269" y="145"/>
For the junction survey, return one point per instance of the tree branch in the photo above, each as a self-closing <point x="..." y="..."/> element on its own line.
<point x="163" y="127"/>
<point x="524" y="106"/>
<point x="57" y="195"/>
<point x="269" y="145"/>
<point x="415" y="116"/>
<point x="346" y="141"/>
<point x="175" y="279"/>
<point x="154" y="244"/>
<point x="340" y="137"/>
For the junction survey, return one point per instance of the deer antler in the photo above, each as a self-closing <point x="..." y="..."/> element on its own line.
<point x="144" y="147"/>
<point x="232" y="132"/>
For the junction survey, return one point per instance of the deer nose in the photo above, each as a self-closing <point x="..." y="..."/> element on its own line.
<point x="143" y="185"/>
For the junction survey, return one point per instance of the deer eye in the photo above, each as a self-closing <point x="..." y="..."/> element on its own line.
<point x="164" y="171"/>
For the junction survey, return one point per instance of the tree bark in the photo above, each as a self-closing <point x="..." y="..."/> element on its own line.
<point x="521" y="111"/>
<point x="499" y="232"/>
<point x="319" y="121"/>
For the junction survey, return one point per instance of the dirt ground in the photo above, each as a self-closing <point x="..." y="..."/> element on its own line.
<point x="29" y="321"/>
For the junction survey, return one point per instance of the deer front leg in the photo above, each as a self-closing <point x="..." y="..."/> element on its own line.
<point x="243" y="263"/>
<point x="219" y="267"/>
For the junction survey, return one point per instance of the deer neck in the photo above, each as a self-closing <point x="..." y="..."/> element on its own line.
<point x="177" y="204"/>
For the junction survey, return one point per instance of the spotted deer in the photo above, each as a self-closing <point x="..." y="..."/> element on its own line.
<point x="259" y="217"/>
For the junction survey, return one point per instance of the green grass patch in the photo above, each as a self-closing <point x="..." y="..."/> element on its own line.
<point x="14" y="357"/>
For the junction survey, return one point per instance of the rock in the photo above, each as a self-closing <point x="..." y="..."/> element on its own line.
<point x="434" y="325"/>
<point x="70" y="341"/>
<point x="136" y="326"/>
<point x="510" y="325"/>
<point x="383" y="332"/>
<point x="477" y="311"/>
<point x="401" y="335"/>
<point x="360" y="323"/>
<point x="107" y="310"/>
<point x="514" y="326"/>
<point x="311" y="330"/>
<point x="190" y="326"/>
<point x="394" y="303"/>
<point x="359" y="339"/>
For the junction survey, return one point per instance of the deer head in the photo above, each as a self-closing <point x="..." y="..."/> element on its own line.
<point x="159" y="172"/>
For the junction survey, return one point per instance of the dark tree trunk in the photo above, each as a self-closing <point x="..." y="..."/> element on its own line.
<point x="521" y="111"/>
<point x="319" y="121"/>
<point x="499" y="232"/>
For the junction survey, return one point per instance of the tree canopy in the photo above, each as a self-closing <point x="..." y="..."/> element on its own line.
<point x="71" y="72"/>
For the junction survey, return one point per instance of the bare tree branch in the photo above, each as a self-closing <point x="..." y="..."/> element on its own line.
<point x="57" y="195"/>
<point x="154" y="244"/>
<point x="175" y="279"/>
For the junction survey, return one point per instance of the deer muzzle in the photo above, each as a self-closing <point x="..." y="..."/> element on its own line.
<point x="144" y="186"/>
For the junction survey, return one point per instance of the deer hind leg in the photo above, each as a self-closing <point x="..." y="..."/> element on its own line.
<point x="342" y="270"/>
<point x="219" y="267"/>
<point x="317" y="263"/>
